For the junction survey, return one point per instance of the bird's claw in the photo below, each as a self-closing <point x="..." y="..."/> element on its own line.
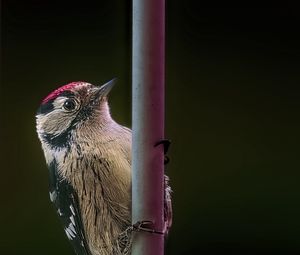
<point x="166" y="143"/>
<point x="145" y="226"/>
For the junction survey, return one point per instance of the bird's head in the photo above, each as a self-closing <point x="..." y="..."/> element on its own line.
<point x="70" y="107"/>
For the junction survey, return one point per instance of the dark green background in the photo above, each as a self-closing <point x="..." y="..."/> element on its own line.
<point x="232" y="112"/>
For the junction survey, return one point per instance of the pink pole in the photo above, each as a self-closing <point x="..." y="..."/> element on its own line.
<point x="148" y="44"/>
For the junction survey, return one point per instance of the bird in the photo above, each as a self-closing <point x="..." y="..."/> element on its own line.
<point x="88" y="155"/>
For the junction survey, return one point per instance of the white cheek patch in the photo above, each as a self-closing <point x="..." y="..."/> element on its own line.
<point x="40" y="122"/>
<point x="53" y="154"/>
<point x="58" y="120"/>
<point x="48" y="152"/>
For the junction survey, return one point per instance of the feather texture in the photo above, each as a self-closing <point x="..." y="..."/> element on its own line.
<point x="65" y="200"/>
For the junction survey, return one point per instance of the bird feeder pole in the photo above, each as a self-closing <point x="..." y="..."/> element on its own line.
<point x="148" y="45"/>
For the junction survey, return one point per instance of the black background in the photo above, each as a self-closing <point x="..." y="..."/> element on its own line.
<point x="232" y="112"/>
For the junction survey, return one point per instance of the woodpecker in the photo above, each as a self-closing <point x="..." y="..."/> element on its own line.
<point x="88" y="155"/>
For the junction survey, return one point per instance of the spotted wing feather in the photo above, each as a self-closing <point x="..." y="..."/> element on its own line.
<point x="65" y="200"/>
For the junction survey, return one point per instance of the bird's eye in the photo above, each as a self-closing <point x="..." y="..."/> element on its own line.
<point x="69" y="105"/>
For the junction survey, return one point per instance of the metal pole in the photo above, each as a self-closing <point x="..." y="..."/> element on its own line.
<point x="148" y="122"/>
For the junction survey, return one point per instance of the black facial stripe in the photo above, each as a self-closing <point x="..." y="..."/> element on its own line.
<point x="58" y="141"/>
<point x="61" y="140"/>
<point x="45" y="108"/>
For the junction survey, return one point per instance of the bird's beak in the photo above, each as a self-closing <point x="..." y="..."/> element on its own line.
<point x="103" y="91"/>
<point x="106" y="88"/>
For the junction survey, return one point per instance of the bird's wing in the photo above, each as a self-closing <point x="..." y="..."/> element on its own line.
<point x="65" y="200"/>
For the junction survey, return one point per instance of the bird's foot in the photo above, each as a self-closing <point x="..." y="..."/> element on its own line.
<point x="146" y="226"/>
<point x="166" y="143"/>
<point x="124" y="240"/>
